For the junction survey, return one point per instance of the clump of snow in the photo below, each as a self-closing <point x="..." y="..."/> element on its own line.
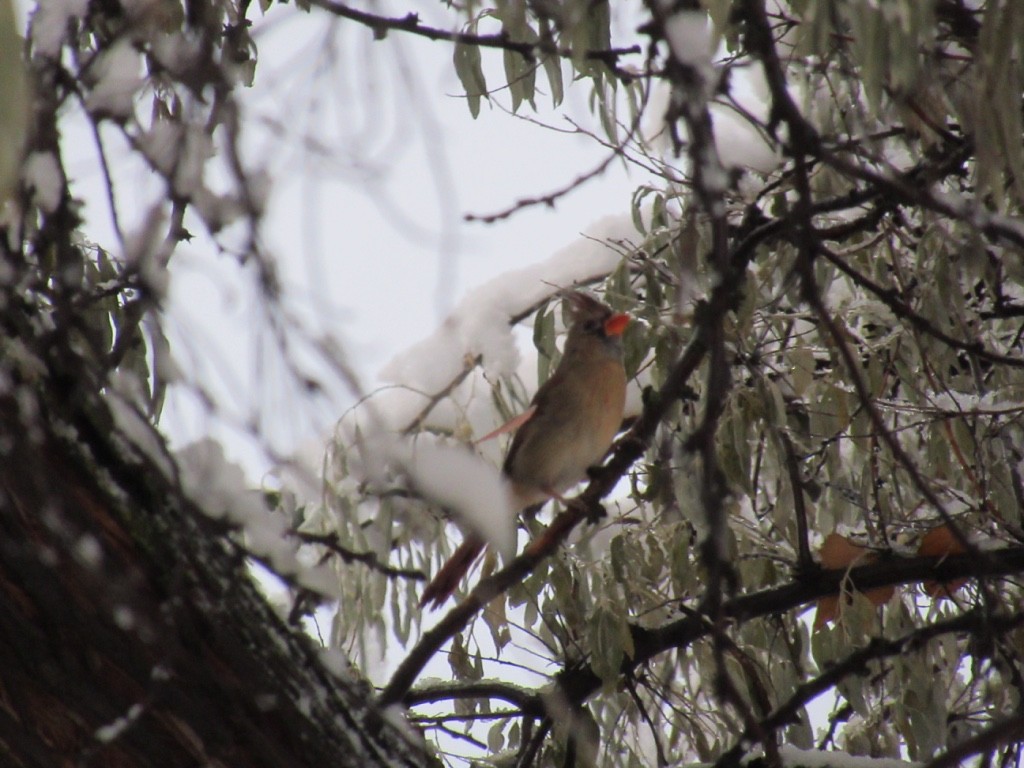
<point x="123" y="617"/>
<point x="88" y="551"/>
<point x="689" y="37"/>
<point x="146" y="252"/>
<point x="472" y="487"/>
<point x="452" y="476"/>
<point x="221" y="490"/>
<point x="126" y="398"/>
<point x="190" y="161"/>
<point x="50" y="23"/>
<point x="395" y="715"/>
<point x="176" y="52"/>
<point x="480" y="324"/>
<point x="739" y="144"/>
<point x="820" y="758"/>
<point x="117" y="79"/>
<point x="215" y="483"/>
<point x="42" y="174"/>
<point x="105" y="734"/>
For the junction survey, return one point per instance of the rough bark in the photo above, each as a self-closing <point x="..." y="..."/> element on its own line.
<point x="130" y="634"/>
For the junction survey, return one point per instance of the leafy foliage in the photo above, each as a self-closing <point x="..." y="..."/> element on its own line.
<point x="857" y="314"/>
<point x="828" y="347"/>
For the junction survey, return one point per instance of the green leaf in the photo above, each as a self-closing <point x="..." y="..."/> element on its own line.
<point x="496" y="737"/>
<point x="607" y="645"/>
<point x="592" y="32"/>
<point x="618" y="558"/>
<point x="14" y="98"/>
<point x="553" y="70"/>
<point x="521" y="75"/>
<point x="470" y="71"/>
<point x="497" y="622"/>
<point x="544" y="342"/>
<point x="459" y="660"/>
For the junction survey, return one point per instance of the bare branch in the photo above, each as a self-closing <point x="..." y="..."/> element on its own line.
<point x="369" y="559"/>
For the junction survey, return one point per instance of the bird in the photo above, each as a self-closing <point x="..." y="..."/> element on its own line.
<point x="568" y="427"/>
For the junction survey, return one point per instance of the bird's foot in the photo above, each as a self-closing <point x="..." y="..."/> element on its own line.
<point x="590" y="509"/>
<point x="594" y="511"/>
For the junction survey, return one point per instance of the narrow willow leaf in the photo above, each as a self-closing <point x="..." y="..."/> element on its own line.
<point x="553" y="69"/>
<point x="591" y="32"/>
<point x="512" y="61"/>
<point x="552" y="66"/>
<point x="14" y="98"/>
<point x="496" y="737"/>
<point x="470" y="71"/>
<point x="618" y="558"/>
<point x="606" y="643"/>
<point x="521" y="72"/>
<point x="544" y="342"/>
<point x="497" y="622"/>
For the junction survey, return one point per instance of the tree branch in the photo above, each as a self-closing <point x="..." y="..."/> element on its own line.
<point x="902" y="309"/>
<point x="1009" y="730"/>
<point x="857" y="662"/>
<point x="369" y="559"/>
<point x="411" y="24"/>
<point x="579" y="682"/>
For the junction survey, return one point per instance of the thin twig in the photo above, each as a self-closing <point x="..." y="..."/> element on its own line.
<point x="788" y="712"/>
<point x="470" y="364"/>
<point x="550" y="198"/>
<point x="369" y="559"/>
<point x="805" y="563"/>
<point x="1009" y="730"/>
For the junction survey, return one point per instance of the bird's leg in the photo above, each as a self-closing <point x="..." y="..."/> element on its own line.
<point x="530" y="513"/>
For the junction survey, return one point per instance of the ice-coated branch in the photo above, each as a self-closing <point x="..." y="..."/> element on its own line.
<point x="579" y="682"/>
<point x="331" y="542"/>
<point x="985" y="742"/>
<point x="857" y="662"/>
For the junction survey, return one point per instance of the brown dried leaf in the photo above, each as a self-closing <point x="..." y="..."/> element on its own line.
<point x="839" y="552"/>
<point x="939" y="542"/>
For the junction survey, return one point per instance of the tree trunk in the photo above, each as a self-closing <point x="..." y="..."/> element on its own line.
<point x="130" y="633"/>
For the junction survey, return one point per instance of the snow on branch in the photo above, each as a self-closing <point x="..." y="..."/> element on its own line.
<point x="440" y="387"/>
<point x="480" y="325"/>
<point x="220" y="488"/>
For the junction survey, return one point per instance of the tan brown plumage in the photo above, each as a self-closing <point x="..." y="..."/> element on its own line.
<point x="576" y="414"/>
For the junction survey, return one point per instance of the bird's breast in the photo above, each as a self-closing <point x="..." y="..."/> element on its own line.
<point x="572" y="431"/>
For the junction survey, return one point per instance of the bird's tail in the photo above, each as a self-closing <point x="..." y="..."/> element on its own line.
<point x="447" y="579"/>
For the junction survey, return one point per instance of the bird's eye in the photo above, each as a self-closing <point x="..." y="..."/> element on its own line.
<point x="592" y="325"/>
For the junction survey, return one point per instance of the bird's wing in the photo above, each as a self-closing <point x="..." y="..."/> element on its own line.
<point x="514" y="423"/>
<point x="541" y="404"/>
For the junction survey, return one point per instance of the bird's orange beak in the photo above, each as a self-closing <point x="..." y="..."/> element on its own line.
<point x="616" y="324"/>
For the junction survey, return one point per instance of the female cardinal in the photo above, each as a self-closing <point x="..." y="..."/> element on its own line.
<point x="567" y="428"/>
